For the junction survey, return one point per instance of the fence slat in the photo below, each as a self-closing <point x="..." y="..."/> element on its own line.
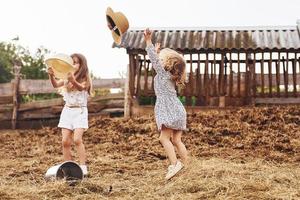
<point x="29" y="86"/>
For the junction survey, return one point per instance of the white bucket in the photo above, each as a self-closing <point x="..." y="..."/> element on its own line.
<point x="68" y="170"/>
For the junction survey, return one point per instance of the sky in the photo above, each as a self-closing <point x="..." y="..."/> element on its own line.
<point x="69" y="26"/>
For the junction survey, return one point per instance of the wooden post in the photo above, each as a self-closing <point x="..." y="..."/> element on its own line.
<point x="198" y="83"/>
<point x="189" y="90"/>
<point x="16" y="83"/>
<point x="127" y="95"/>
<point x="262" y="74"/>
<point x="139" y="74"/>
<point x="129" y="86"/>
<point x="231" y="77"/>
<point x="278" y="75"/>
<point x="295" y="76"/>
<point x="221" y="76"/>
<point x="216" y="93"/>
<point x="247" y="77"/>
<point x="270" y="75"/>
<point x="206" y="86"/>
<point x="239" y="77"/>
<point x="254" y="75"/>
<point x="146" y="78"/>
<point x="211" y="78"/>
<point x="131" y="73"/>
<point x="286" y="74"/>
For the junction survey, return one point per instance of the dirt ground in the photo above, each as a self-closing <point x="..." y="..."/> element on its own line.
<point x="248" y="153"/>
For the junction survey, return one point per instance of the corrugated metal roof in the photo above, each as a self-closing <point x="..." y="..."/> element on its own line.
<point x="222" y="38"/>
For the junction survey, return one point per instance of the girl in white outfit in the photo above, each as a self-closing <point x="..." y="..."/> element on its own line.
<point x="74" y="116"/>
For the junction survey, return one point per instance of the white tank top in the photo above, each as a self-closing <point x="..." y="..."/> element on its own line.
<point x="76" y="98"/>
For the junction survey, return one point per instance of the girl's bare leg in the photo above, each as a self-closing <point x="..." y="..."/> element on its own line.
<point x="165" y="140"/>
<point x="78" y="132"/>
<point x="66" y="143"/>
<point x="176" y="139"/>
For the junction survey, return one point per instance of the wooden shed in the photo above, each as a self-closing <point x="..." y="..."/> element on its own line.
<point x="226" y="66"/>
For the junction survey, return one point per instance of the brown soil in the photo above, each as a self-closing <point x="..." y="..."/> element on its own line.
<point x="249" y="153"/>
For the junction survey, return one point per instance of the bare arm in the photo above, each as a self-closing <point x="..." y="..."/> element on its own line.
<point x="76" y="84"/>
<point x="153" y="54"/>
<point x="79" y="86"/>
<point x="54" y="82"/>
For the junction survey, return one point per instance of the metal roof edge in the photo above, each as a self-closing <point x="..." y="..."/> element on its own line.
<point x="225" y="28"/>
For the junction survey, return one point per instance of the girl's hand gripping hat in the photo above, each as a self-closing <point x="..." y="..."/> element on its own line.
<point x="62" y="64"/>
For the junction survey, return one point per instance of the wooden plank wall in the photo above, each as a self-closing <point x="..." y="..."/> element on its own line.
<point x="236" y="75"/>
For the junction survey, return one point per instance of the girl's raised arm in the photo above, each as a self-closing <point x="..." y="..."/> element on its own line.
<point x="152" y="53"/>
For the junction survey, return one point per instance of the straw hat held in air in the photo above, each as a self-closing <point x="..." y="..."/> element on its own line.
<point x="117" y="23"/>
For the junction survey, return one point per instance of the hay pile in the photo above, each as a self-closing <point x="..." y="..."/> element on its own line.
<point x="250" y="153"/>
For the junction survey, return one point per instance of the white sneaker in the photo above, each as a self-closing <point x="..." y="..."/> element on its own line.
<point x="84" y="169"/>
<point x="174" y="169"/>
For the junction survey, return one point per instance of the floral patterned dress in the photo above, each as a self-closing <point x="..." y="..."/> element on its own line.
<point x="168" y="110"/>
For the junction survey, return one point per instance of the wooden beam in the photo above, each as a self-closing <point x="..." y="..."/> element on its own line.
<point x="262" y="73"/>
<point x="278" y="76"/>
<point x="138" y="74"/>
<point x="16" y="84"/>
<point x="231" y="77"/>
<point x="41" y="104"/>
<point x="239" y="77"/>
<point x="285" y="72"/>
<point x="198" y="83"/>
<point x="254" y="76"/>
<point x="28" y="86"/>
<point x="221" y="76"/>
<point x="128" y="96"/>
<point x="146" y="78"/>
<point x="131" y="74"/>
<point x="295" y="76"/>
<point x="206" y="85"/>
<point x="270" y="75"/>
<point x="247" y="78"/>
<point x="189" y="89"/>
<point x="290" y="100"/>
<point x="216" y="89"/>
<point x="6" y="99"/>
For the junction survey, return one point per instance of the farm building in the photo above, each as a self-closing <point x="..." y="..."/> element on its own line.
<point x="226" y="66"/>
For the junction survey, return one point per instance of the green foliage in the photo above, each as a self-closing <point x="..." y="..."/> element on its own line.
<point x="5" y="64"/>
<point x="35" y="97"/>
<point x="146" y="100"/>
<point x="101" y="92"/>
<point x="33" y="66"/>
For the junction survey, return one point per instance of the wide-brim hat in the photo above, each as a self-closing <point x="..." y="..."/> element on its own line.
<point x="119" y="24"/>
<point x="61" y="64"/>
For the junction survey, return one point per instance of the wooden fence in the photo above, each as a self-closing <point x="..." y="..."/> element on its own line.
<point x="12" y="110"/>
<point x="246" y="76"/>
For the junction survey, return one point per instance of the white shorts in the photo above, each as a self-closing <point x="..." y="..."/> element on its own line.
<point x="72" y="118"/>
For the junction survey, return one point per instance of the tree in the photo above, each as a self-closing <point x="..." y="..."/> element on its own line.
<point x="33" y="67"/>
<point x="5" y="64"/>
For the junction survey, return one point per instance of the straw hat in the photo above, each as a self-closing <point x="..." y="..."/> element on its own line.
<point x="62" y="64"/>
<point x="119" y="24"/>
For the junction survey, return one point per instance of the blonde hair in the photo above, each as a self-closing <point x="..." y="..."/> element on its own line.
<point x="174" y="63"/>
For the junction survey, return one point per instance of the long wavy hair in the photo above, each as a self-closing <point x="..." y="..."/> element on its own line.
<point x="82" y="74"/>
<point x="174" y="63"/>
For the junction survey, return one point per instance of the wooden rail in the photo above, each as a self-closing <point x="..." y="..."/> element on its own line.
<point x="11" y="108"/>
